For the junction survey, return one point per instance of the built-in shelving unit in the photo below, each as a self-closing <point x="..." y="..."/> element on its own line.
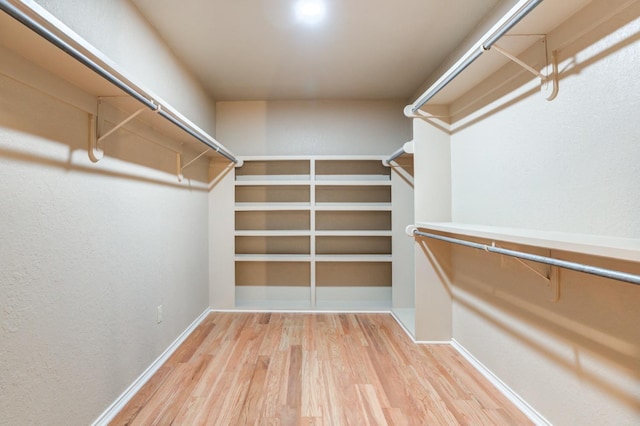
<point x="313" y="233"/>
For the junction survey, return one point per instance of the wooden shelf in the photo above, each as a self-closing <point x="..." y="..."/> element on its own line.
<point x="375" y="182"/>
<point x="271" y="178"/>
<point x="353" y="258"/>
<point x="273" y="233"/>
<point x="267" y="182"/>
<point x="353" y="206"/>
<point x="328" y="179"/>
<point x="595" y="245"/>
<point x="272" y="206"/>
<point x="272" y="258"/>
<point x="353" y="233"/>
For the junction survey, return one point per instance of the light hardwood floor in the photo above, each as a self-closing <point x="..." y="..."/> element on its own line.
<point x="314" y="369"/>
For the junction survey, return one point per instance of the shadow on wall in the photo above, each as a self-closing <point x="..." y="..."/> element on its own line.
<point x="403" y="167"/>
<point x="594" y="318"/>
<point x="37" y="128"/>
<point x="580" y="32"/>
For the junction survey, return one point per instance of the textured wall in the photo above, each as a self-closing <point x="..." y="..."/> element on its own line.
<point x="312" y="127"/>
<point x="88" y="250"/>
<point x="116" y="28"/>
<point x="567" y="165"/>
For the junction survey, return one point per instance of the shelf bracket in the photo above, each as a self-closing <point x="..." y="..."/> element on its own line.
<point x="119" y="125"/>
<point x="95" y="153"/>
<point x="554" y="282"/>
<point x="552" y="277"/>
<point x="179" y="167"/>
<point x="548" y="80"/>
<point x="196" y="158"/>
<point x="96" y="137"/>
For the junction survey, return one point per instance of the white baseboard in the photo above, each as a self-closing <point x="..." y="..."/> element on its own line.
<point x="522" y="405"/>
<point x="300" y="311"/>
<point x="402" y="326"/>
<point x="129" y="393"/>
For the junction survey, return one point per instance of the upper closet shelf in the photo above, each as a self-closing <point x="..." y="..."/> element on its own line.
<point x="80" y="63"/>
<point x="511" y="39"/>
<point x="612" y="247"/>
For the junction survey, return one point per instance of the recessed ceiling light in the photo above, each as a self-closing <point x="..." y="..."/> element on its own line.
<point x="310" y="11"/>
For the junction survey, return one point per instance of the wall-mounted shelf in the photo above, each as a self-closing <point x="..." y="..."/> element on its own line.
<point x="271" y="206"/>
<point x="353" y="206"/>
<point x="612" y="247"/>
<point x="353" y="233"/>
<point x="313" y="232"/>
<point x="38" y="36"/>
<point x="271" y="182"/>
<point x="353" y="258"/>
<point x="515" y="39"/>
<point x="273" y="233"/>
<point x="353" y="182"/>
<point x="272" y="258"/>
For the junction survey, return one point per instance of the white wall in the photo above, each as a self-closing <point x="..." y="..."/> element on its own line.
<point x="222" y="278"/>
<point x="402" y="193"/>
<point x="117" y="29"/>
<point x="89" y="250"/>
<point x="312" y="127"/>
<point x="568" y="165"/>
<point x="432" y="163"/>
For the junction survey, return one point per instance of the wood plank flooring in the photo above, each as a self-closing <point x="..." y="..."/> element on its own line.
<point x="314" y="369"/>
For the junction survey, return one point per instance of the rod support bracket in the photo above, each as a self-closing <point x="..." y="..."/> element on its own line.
<point x="410" y="230"/>
<point x="549" y="86"/>
<point x="96" y="137"/>
<point x="554" y="282"/>
<point x="179" y="174"/>
<point x="94" y="150"/>
<point x="548" y="77"/>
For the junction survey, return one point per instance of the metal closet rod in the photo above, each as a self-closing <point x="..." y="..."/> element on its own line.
<point x="473" y="54"/>
<point x="39" y="29"/>
<point x="587" y="269"/>
<point x="406" y="148"/>
<point x="396" y="154"/>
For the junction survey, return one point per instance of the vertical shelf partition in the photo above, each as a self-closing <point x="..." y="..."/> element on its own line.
<point x="313" y="233"/>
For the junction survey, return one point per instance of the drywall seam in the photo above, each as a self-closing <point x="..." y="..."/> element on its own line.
<point x="137" y="384"/>
<point x="512" y="396"/>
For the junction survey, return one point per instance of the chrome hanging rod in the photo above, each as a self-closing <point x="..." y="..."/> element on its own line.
<point x="45" y="33"/>
<point x="587" y="269"/>
<point x="514" y="16"/>
<point x="406" y="148"/>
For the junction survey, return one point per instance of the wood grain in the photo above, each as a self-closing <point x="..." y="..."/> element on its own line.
<point x="314" y="369"/>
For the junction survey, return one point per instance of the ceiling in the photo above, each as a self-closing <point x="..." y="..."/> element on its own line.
<point x="362" y="49"/>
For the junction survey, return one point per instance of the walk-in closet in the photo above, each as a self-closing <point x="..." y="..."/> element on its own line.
<point x="325" y="212"/>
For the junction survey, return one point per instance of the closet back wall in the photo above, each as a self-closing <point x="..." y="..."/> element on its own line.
<point x="329" y="127"/>
<point x="87" y="251"/>
<point x="289" y="128"/>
